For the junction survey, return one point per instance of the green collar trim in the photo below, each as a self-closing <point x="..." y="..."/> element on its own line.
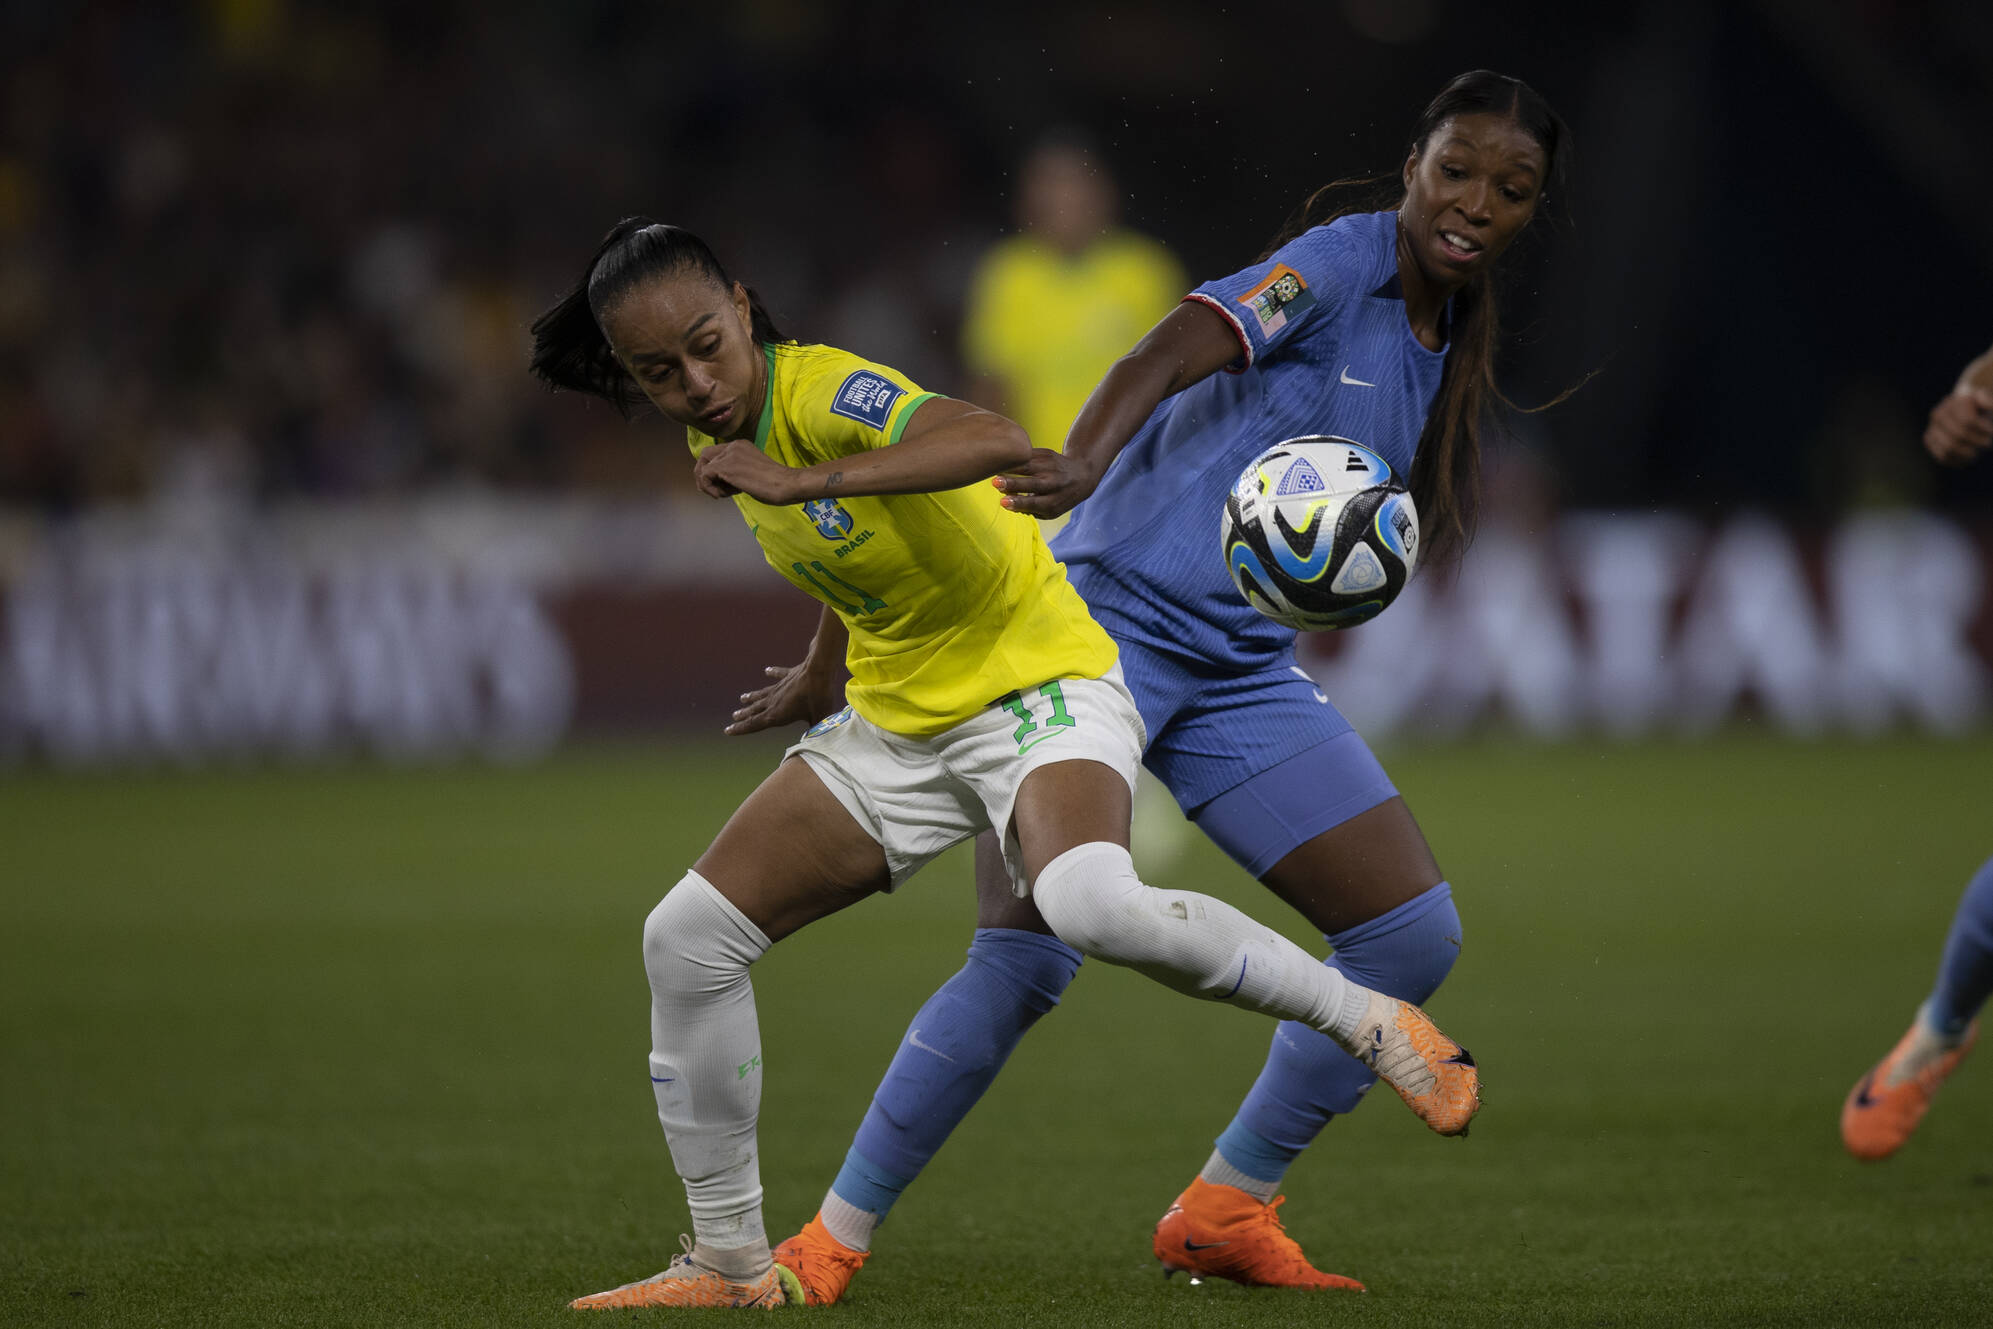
<point x="767" y="403"/>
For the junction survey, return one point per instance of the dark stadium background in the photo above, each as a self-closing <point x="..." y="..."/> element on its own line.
<point x="357" y="698"/>
<point x="1774" y="247"/>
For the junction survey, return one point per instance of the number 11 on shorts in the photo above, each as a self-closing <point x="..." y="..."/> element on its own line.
<point x="1028" y="724"/>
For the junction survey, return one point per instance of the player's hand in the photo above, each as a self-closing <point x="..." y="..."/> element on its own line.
<point x="1961" y="426"/>
<point x="738" y="467"/>
<point x="796" y="693"/>
<point x="1048" y="485"/>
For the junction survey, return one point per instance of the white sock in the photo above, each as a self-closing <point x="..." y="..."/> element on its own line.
<point x="844" y="1220"/>
<point x="1192" y="943"/>
<point x="705" y="1066"/>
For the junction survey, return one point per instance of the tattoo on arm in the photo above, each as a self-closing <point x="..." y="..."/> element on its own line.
<point x="831" y="482"/>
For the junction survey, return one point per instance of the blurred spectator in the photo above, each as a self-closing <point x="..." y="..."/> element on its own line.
<point x="1053" y="306"/>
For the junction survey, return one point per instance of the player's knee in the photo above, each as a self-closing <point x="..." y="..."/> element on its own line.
<point x="667" y="958"/>
<point x="1093" y="900"/>
<point x="1036" y="968"/>
<point x="1408" y="953"/>
<point x="695" y="941"/>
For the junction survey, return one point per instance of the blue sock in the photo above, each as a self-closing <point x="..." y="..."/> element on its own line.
<point x="1405" y="953"/>
<point x="952" y="1052"/>
<point x="1965" y="975"/>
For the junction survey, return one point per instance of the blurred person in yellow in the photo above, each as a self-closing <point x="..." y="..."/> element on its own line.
<point x="1051" y="307"/>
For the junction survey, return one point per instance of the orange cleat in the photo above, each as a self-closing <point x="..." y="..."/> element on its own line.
<point x="1435" y="1076"/>
<point x="1885" y="1107"/>
<point x="1222" y="1232"/>
<point x="688" y="1283"/>
<point x="821" y="1263"/>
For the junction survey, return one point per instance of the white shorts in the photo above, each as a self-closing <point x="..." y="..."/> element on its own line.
<point x="920" y="796"/>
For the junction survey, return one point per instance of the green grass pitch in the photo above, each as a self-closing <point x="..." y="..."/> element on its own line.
<point x="366" y="1047"/>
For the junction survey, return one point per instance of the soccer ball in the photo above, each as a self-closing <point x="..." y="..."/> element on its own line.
<point x="1318" y="534"/>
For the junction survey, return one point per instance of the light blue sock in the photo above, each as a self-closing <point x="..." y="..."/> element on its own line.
<point x="1965" y="974"/>
<point x="950" y="1055"/>
<point x="1406" y="954"/>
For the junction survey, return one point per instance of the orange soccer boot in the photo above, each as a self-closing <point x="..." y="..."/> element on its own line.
<point x="1435" y="1076"/>
<point x="1222" y="1232"/>
<point x="686" y="1282"/>
<point x="1891" y="1099"/>
<point x="821" y="1263"/>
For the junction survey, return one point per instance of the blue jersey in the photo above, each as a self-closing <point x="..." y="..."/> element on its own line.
<point x="1326" y="348"/>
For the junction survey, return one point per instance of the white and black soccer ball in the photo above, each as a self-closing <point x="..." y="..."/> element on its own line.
<point x="1318" y="534"/>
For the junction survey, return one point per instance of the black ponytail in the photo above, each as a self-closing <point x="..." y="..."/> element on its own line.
<point x="569" y="349"/>
<point x="1446" y="469"/>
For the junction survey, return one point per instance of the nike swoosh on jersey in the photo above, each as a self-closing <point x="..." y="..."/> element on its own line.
<point x="1355" y="382"/>
<point x="1023" y="748"/>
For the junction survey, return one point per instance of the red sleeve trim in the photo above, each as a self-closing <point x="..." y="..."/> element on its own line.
<point x="1245" y="360"/>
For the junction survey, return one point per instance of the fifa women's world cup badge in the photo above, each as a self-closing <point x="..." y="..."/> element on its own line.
<point x="1283" y="295"/>
<point x="829" y="517"/>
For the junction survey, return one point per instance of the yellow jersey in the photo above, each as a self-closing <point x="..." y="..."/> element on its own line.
<point x="951" y="599"/>
<point x="1049" y="326"/>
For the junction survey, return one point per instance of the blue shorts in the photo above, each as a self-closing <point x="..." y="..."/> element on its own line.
<point x="1262" y="762"/>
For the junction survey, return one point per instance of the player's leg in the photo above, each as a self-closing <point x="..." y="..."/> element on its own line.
<point x="1886" y="1105"/>
<point x="1371" y="886"/>
<point x="1965" y="973"/>
<point x="792" y="853"/>
<point x="950" y="1054"/>
<point x="1222" y="1223"/>
<point x="1068" y="820"/>
<point x="1071" y="830"/>
<point x="1324" y="829"/>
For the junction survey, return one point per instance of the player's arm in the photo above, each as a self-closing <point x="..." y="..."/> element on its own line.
<point x="1193" y="342"/>
<point x="1961" y="425"/>
<point x="946" y="444"/>
<point x="806" y="692"/>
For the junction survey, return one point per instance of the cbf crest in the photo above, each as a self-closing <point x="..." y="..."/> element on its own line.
<point x="830" y="518"/>
<point x="828" y="723"/>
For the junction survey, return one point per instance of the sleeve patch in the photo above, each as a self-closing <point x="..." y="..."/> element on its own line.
<point x="867" y="398"/>
<point x="1282" y="296"/>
